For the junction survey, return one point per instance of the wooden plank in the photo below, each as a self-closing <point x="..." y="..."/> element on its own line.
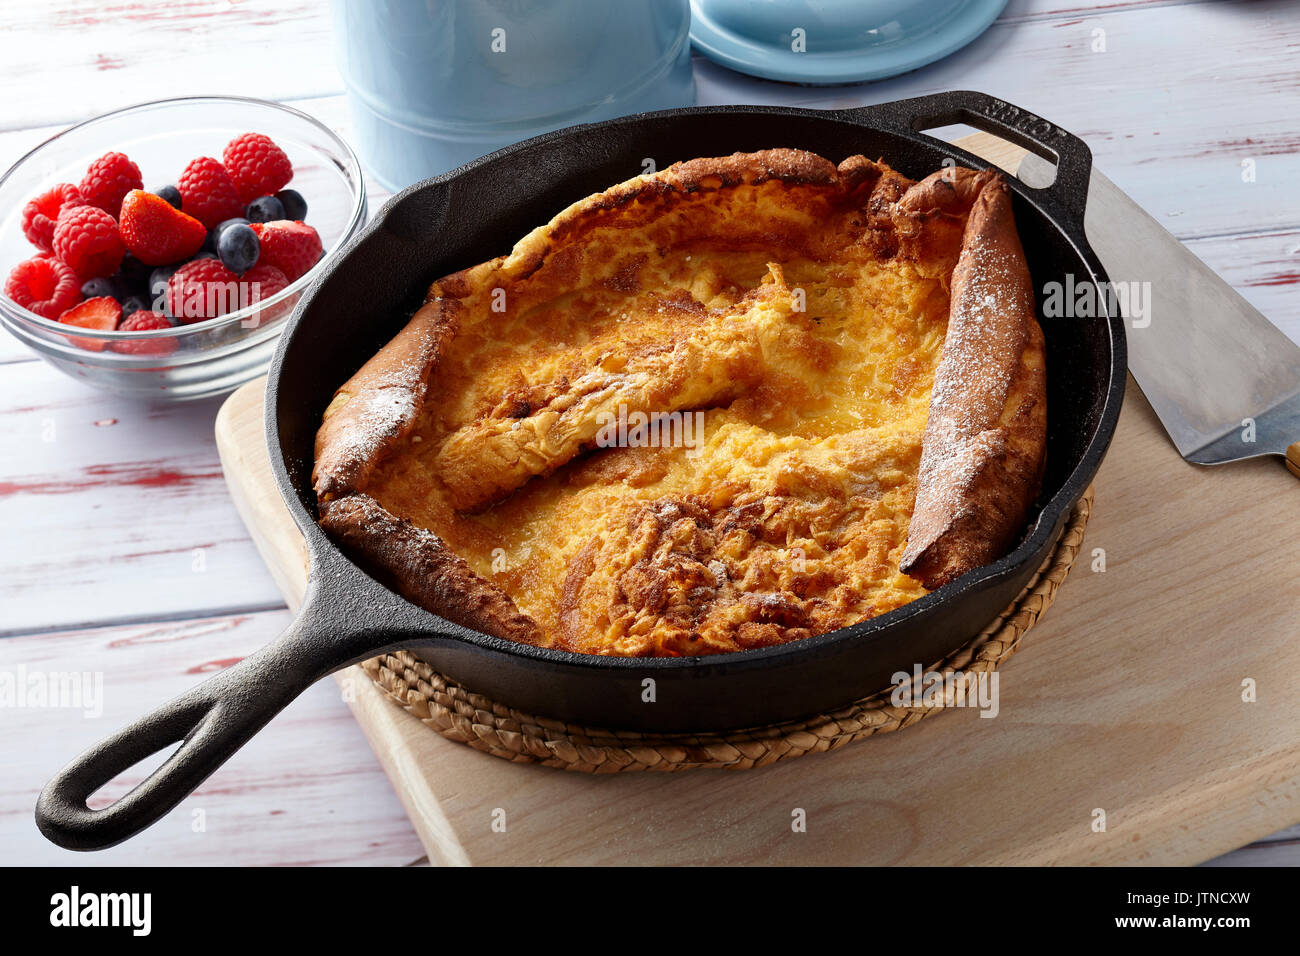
<point x="110" y="56"/>
<point x="1063" y="9"/>
<point x="241" y="442"/>
<point x="304" y="791"/>
<point x="114" y="510"/>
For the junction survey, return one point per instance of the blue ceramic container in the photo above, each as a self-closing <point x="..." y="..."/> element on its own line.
<point x="432" y="84"/>
<point x="835" y="41"/>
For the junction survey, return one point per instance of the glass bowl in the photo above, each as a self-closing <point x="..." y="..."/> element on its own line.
<point x="205" y="358"/>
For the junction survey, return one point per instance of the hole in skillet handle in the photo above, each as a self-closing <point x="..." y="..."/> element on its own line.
<point x="216" y="718"/>
<point x="1071" y="155"/>
<point x="195" y="720"/>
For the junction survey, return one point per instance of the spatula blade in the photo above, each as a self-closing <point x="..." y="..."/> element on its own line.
<point x="1224" y="381"/>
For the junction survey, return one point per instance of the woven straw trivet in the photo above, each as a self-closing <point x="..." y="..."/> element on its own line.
<point x="472" y="719"/>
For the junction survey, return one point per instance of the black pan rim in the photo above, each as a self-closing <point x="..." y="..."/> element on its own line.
<point x="1046" y="525"/>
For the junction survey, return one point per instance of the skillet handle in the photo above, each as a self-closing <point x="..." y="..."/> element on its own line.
<point x="1072" y="156"/>
<point x="210" y="722"/>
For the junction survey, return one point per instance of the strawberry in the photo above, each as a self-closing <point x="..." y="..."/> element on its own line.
<point x="145" y="321"/>
<point x="202" y="289"/>
<point x="44" y="285"/>
<point x="292" y="247"/>
<point x="108" y="179"/>
<point x="100" y="313"/>
<point x="40" y="215"/>
<point x="87" y="238"/>
<point x="207" y="192"/>
<point x="257" y="166"/>
<point x="156" y="233"/>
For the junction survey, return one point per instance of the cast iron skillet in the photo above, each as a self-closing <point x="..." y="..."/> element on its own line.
<point x="475" y="213"/>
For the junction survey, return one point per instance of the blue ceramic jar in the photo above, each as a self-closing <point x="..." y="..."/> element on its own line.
<point x="432" y="84"/>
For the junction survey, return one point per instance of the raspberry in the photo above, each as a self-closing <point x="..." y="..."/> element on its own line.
<point x="40" y="215"/>
<point x="267" y="279"/>
<point x="44" y="285"/>
<point x="86" y="238"/>
<point x="261" y="282"/>
<point x="257" y="166"/>
<point x="145" y="321"/>
<point x="108" y="179"/>
<point x="207" y="192"/>
<point x="155" y="232"/>
<point x="100" y="314"/>
<point x="202" y="289"/>
<point x="292" y="247"/>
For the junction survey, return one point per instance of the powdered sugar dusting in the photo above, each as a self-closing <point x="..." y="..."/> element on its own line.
<point x="980" y="353"/>
<point x="379" y="413"/>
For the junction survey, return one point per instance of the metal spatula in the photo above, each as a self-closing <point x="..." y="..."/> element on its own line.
<point x="1224" y="381"/>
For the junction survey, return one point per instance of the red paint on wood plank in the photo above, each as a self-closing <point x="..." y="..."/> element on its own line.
<point x="1272" y="146"/>
<point x="184" y="549"/>
<point x="142" y="475"/>
<point x="209" y="666"/>
<point x="180" y="630"/>
<point x="1277" y="278"/>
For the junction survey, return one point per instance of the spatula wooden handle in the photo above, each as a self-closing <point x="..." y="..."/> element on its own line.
<point x="1293" y="459"/>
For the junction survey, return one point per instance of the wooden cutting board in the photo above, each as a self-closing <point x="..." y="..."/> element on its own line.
<point x="1126" y="698"/>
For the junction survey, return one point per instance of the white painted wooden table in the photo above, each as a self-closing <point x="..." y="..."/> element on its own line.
<point x="122" y="553"/>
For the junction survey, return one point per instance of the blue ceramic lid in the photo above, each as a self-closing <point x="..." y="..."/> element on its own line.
<point x="835" y="41"/>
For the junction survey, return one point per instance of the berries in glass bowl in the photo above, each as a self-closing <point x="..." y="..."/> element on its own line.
<point x="170" y="230"/>
<point x="60" y="250"/>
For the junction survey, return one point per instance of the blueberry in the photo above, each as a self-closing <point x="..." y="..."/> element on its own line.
<point x="171" y="194"/>
<point x="135" y="273"/>
<point x="133" y="305"/>
<point x="265" y="209"/>
<point x="295" y="207"/>
<point x="238" y="247"/>
<point x="158" y="286"/>
<point x="94" y="288"/>
<point x="214" y="234"/>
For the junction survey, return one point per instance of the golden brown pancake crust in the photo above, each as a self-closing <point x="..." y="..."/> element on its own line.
<point x="422" y="567"/>
<point x="982" y="458"/>
<point x="463" y="464"/>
